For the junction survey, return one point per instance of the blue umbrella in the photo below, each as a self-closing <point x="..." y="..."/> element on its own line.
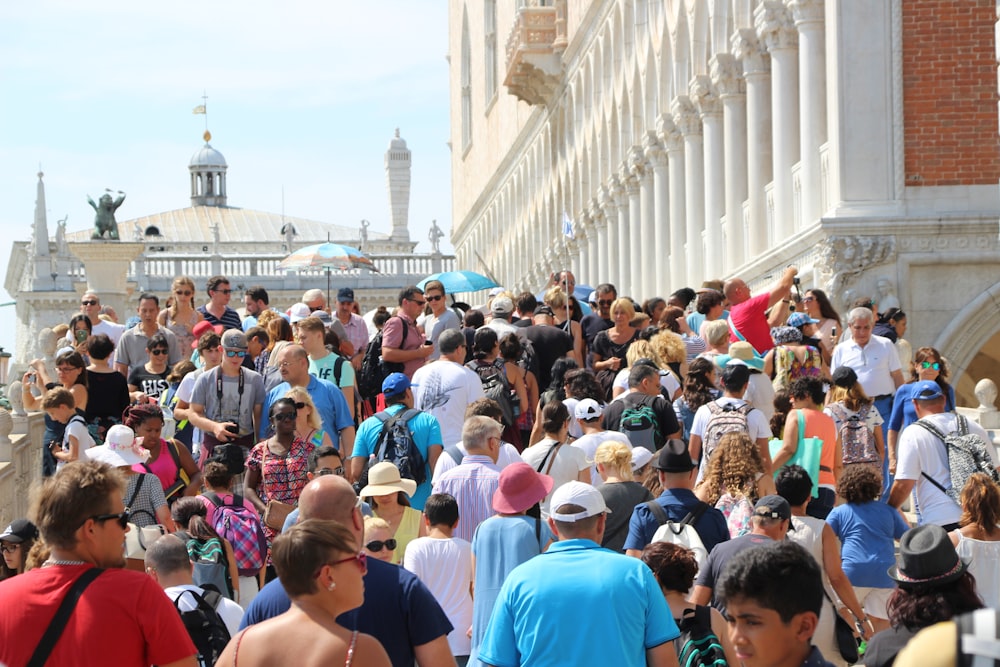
<point x="460" y="281"/>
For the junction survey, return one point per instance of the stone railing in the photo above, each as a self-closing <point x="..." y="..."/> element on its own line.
<point x="20" y="462"/>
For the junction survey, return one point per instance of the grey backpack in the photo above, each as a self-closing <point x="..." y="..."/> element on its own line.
<point x="967" y="454"/>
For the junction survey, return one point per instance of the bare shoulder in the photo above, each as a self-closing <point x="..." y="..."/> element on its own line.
<point x="370" y="652"/>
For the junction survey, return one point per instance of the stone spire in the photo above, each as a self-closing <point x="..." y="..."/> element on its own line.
<point x="41" y="226"/>
<point x="397" y="176"/>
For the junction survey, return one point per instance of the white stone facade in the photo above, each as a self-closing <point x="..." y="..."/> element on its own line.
<point x="696" y="139"/>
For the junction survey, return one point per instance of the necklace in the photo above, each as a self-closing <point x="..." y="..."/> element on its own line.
<point x="51" y="562"/>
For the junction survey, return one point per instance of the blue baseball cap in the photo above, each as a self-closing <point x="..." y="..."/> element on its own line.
<point x="927" y="390"/>
<point x="799" y="319"/>
<point x="395" y="384"/>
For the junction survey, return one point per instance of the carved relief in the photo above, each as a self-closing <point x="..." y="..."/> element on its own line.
<point x="844" y="258"/>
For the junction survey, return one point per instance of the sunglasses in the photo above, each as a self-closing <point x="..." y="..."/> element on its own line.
<point x="437" y="297"/>
<point x="180" y="293"/>
<point x="339" y="471"/>
<point x="236" y="353"/>
<point x="285" y="417"/>
<point x="299" y="406"/>
<point x="158" y="352"/>
<point x="89" y="303"/>
<point x="360" y="559"/>
<point x="378" y="545"/>
<point x="931" y="364"/>
<point x="9" y="548"/>
<point x="419" y="303"/>
<point x="223" y="291"/>
<point x="602" y="302"/>
<point x="808" y="299"/>
<point x="121" y="518"/>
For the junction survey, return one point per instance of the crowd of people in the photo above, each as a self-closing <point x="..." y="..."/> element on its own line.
<point x="711" y="477"/>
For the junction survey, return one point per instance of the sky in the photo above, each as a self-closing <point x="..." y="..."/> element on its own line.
<point x="302" y="96"/>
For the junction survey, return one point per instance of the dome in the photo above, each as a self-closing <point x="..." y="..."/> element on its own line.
<point x="397" y="143"/>
<point x="208" y="157"/>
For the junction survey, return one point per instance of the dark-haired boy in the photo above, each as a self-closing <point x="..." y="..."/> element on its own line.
<point x="444" y="564"/>
<point x="773" y="595"/>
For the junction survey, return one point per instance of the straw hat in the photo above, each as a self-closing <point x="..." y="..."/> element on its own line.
<point x="383" y="479"/>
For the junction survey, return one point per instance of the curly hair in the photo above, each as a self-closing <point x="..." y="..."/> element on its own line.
<point x="673" y="565"/>
<point x="669" y="346"/>
<point x="980" y="502"/>
<point x="734" y="467"/>
<point x="918" y="607"/>
<point x="135" y="415"/>
<point x="698" y="387"/>
<point x="860" y="484"/>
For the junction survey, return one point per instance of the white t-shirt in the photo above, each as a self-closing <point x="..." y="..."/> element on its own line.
<point x="757" y="425"/>
<point x="433" y="326"/>
<point x="920" y="451"/>
<point x="78" y="429"/>
<point x="589" y="444"/>
<point x="508" y="454"/>
<point x="445" y="389"/>
<point x="760" y="394"/>
<point x="230" y="612"/>
<point x="668" y="382"/>
<point x="445" y="567"/>
<point x="566" y="467"/>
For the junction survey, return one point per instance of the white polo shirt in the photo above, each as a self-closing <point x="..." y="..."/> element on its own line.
<point x="874" y="363"/>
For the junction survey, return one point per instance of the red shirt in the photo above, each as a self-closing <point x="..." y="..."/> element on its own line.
<point x="123" y="618"/>
<point x="748" y="318"/>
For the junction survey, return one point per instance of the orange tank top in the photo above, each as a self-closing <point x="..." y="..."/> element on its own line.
<point x="821" y="426"/>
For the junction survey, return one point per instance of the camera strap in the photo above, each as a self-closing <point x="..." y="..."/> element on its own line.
<point x="218" y="388"/>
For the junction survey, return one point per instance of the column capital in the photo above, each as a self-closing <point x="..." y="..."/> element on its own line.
<point x="597" y="213"/>
<point x="775" y="26"/>
<point x="668" y="134"/>
<point x="686" y="116"/>
<point x="704" y="96"/>
<point x="609" y="198"/>
<point x="654" y="151"/>
<point x="806" y="12"/>
<point x="727" y="76"/>
<point x="750" y="50"/>
<point x="629" y="173"/>
<point x="637" y="162"/>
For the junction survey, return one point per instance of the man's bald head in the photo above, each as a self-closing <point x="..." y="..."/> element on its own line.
<point x="293" y="351"/>
<point x="328" y="497"/>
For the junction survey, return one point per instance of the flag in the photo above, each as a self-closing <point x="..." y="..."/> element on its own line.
<point x="199" y="109"/>
<point x="567" y="226"/>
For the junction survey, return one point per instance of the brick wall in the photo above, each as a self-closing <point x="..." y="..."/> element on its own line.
<point x="950" y="92"/>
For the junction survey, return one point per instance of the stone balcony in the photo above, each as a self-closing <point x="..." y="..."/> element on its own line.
<point x="534" y="52"/>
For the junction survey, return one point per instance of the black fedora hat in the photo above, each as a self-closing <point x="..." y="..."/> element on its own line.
<point x="674" y="457"/>
<point x="926" y="557"/>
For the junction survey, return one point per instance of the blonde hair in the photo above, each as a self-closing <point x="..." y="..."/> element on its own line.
<point x="717" y="332"/>
<point x="641" y="348"/>
<point x="616" y="457"/>
<point x="555" y="298"/>
<point x="266" y="316"/>
<point x="179" y="281"/>
<point x="734" y="467"/>
<point x="300" y="395"/>
<point x="853" y="397"/>
<point x="623" y="305"/>
<point x="374" y="522"/>
<point x="669" y="347"/>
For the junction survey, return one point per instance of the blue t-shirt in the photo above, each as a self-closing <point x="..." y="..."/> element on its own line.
<point x="426" y="433"/>
<point x="398" y="610"/>
<point x="867" y="531"/>
<point x="711" y="526"/>
<point x="329" y="401"/>
<point x="903" y="411"/>
<point x="549" y="607"/>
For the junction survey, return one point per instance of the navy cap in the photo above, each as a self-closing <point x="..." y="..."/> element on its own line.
<point x="395" y="384"/>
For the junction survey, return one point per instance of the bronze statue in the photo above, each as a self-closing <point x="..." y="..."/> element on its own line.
<point x="104" y="220"/>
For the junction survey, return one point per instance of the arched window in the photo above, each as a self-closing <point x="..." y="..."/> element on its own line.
<point x="490" y="58"/>
<point x="466" y="83"/>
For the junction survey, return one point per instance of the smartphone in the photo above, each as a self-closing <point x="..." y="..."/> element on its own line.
<point x="81" y="335"/>
<point x="428" y="342"/>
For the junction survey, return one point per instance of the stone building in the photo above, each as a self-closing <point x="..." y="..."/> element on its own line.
<point x="208" y="237"/>
<point x="694" y="139"/>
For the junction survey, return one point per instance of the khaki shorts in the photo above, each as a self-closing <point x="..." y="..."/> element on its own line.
<point x="874" y="600"/>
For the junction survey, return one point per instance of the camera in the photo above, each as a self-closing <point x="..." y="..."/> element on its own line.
<point x="233" y="428"/>
<point x="796" y="281"/>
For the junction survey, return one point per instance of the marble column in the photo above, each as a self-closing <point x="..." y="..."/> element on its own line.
<point x="706" y="100"/>
<point x="609" y="234"/>
<point x="728" y="81"/>
<point x="598" y="243"/>
<point x="636" y="224"/>
<point x="673" y="141"/>
<point x="621" y="262"/>
<point x="809" y="19"/>
<point x="659" y="247"/>
<point x="757" y="74"/>
<point x="689" y="124"/>
<point x="777" y="31"/>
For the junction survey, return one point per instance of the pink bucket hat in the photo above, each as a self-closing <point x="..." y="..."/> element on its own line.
<point x="520" y="488"/>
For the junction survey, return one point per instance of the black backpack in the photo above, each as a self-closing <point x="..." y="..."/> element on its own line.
<point x="374" y="370"/>
<point x="395" y="445"/>
<point x="204" y="625"/>
<point x="698" y="645"/>
<point x="496" y="386"/>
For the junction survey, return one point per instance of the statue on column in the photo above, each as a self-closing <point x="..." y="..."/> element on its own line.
<point x="363" y="234"/>
<point x="104" y="220"/>
<point x="62" y="248"/>
<point x="288" y="231"/>
<point x="434" y="236"/>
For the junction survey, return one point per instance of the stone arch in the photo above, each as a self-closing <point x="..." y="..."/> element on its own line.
<point x="628" y="29"/>
<point x="969" y="359"/>
<point x="607" y="61"/>
<point x="651" y="94"/>
<point x="625" y="119"/>
<point x="614" y="142"/>
<point x="681" y="51"/>
<point x="638" y="107"/>
<point x="667" y="88"/>
<point x="699" y="35"/>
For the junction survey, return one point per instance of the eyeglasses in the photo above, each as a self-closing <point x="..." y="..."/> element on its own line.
<point x="9" y="548"/>
<point x="180" y="293"/>
<point x="66" y="369"/>
<point x="285" y="417"/>
<point x="223" y="291"/>
<point x="378" y="545"/>
<point x="419" y="303"/>
<point x="121" y="518"/>
<point x="89" y="303"/>
<point x="236" y="353"/>
<point x="159" y="351"/>
<point x="931" y="364"/>
<point x="339" y="471"/>
<point x="436" y="297"/>
<point x="360" y="559"/>
<point x="299" y="405"/>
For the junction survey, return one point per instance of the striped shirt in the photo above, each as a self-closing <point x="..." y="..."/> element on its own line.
<point x="472" y="484"/>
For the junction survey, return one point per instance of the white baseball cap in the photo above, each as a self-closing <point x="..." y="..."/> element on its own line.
<point x="577" y="493"/>
<point x="588" y="409"/>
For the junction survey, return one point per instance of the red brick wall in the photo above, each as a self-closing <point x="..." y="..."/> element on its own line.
<point x="950" y="92"/>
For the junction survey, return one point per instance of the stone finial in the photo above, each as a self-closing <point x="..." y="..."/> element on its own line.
<point x="16" y="399"/>
<point x="6" y="427"/>
<point x="986" y="394"/>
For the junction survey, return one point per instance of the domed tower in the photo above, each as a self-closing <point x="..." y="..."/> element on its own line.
<point x="208" y="176"/>
<point x="397" y="176"/>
